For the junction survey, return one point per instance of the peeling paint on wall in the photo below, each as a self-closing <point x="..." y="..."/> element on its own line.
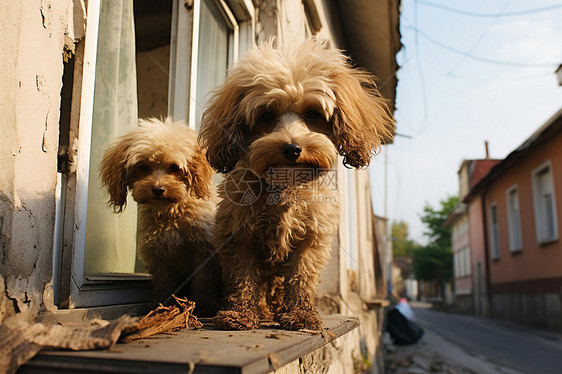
<point x="40" y="82"/>
<point x="30" y="86"/>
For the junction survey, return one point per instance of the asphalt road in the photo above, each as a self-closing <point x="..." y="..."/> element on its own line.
<point x="518" y="347"/>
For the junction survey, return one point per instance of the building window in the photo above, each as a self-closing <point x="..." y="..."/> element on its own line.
<point x="494" y="232"/>
<point x="141" y="58"/>
<point x="513" y="219"/>
<point x="544" y="202"/>
<point x="466" y="256"/>
<point x="462" y="262"/>
<point x="351" y="242"/>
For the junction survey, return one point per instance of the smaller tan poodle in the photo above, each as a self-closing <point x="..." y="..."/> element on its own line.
<point x="170" y="179"/>
<point x="276" y="127"/>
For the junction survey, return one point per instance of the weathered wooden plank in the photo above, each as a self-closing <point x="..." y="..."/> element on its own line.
<point x="204" y="350"/>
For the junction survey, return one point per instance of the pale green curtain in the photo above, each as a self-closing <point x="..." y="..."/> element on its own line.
<point x="111" y="238"/>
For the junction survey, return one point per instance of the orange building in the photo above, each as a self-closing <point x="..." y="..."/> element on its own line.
<point x="519" y="229"/>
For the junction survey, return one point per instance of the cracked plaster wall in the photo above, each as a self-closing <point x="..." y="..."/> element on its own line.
<point x="34" y="34"/>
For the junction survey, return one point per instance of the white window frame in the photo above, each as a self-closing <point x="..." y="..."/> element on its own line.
<point x="240" y="17"/>
<point x="456" y="264"/>
<point x="351" y="226"/>
<point x="462" y="262"/>
<point x="117" y="289"/>
<point x="540" y="218"/>
<point x="494" y="229"/>
<point x="513" y="220"/>
<point x="467" y="260"/>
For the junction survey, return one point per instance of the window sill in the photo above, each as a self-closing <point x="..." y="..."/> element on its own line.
<point x="204" y="350"/>
<point x="376" y="303"/>
<point x="78" y="316"/>
<point x="547" y="242"/>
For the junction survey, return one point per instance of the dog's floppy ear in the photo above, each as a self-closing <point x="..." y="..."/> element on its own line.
<point x="221" y="132"/>
<point x="199" y="175"/>
<point x="362" y="120"/>
<point x="114" y="176"/>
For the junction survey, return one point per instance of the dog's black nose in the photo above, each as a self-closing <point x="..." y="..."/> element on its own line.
<point x="158" y="191"/>
<point x="291" y="151"/>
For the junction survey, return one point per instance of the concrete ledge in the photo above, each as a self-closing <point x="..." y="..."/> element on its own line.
<point x="200" y="351"/>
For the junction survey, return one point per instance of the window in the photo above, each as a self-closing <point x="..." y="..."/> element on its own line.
<point x="462" y="262"/>
<point x="544" y="202"/>
<point x="141" y="58"/>
<point x="513" y="219"/>
<point x="351" y="244"/>
<point x="457" y="264"/>
<point x="221" y="33"/>
<point x="494" y="232"/>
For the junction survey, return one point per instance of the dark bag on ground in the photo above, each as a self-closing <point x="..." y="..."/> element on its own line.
<point x="402" y="330"/>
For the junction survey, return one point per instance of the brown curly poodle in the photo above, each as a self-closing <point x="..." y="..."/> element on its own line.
<point x="166" y="171"/>
<point x="276" y="127"/>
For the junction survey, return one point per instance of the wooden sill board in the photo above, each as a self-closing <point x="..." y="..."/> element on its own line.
<point x="377" y="303"/>
<point x="204" y="351"/>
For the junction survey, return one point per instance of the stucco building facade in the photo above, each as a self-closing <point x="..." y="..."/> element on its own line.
<point x="519" y="202"/>
<point x="53" y="58"/>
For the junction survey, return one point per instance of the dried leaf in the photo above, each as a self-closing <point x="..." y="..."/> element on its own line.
<point x="21" y="339"/>
<point x="165" y="319"/>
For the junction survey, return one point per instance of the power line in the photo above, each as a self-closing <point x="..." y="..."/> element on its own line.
<point x="422" y="80"/>
<point x="483" y="59"/>
<point x="479" y="39"/>
<point x="489" y="15"/>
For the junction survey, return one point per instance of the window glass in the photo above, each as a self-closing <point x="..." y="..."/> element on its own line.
<point x="212" y="57"/>
<point x="547" y="210"/>
<point x="514" y="220"/>
<point x="495" y="233"/>
<point x="131" y="81"/>
<point x="351" y="220"/>
<point x="544" y="205"/>
<point x="111" y="238"/>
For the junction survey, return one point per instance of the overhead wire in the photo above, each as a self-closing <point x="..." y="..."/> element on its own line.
<point x="483" y="59"/>
<point x="490" y="15"/>
<point x="480" y="38"/>
<point x="422" y="80"/>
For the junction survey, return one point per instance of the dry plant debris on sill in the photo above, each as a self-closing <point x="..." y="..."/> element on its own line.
<point x="165" y="319"/>
<point x="21" y="339"/>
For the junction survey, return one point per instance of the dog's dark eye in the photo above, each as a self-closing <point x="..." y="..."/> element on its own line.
<point x="311" y="115"/>
<point x="144" y="168"/>
<point x="268" y="117"/>
<point x="174" y="168"/>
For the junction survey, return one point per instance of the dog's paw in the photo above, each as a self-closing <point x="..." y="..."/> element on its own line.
<point x="300" y="319"/>
<point x="233" y="320"/>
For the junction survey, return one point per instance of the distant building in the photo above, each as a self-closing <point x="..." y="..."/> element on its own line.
<point x="468" y="254"/>
<point x="520" y="231"/>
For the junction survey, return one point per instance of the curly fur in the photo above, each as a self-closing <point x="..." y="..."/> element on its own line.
<point x="166" y="171"/>
<point x="273" y="250"/>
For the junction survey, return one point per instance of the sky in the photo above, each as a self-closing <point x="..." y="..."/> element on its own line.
<point x="449" y="101"/>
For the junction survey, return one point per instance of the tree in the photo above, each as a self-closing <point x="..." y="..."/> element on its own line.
<point x="438" y="234"/>
<point x="402" y="248"/>
<point x="399" y="238"/>
<point x="434" y="262"/>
